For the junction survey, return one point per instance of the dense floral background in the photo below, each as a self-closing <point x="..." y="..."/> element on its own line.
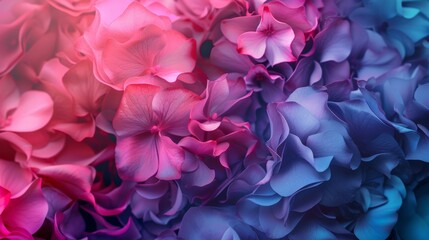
<point x="214" y="119"/>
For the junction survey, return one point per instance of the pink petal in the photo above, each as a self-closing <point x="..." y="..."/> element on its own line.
<point x="109" y="108"/>
<point x="173" y="108"/>
<point x="163" y="8"/>
<point x="279" y="47"/>
<point x="9" y="96"/>
<point x="220" y="148"/>
<point x="199" y="9"/>
<point x="52" y="73"/>
<point x="220" y="3"/>
<point x="298" y="43"/>
<point x="224" y="94"/>
<point x="76" y="130"/>
<point x="18" y="143"/>
<point x="136" y="57"/>
<point x="34" y="112"/>
<point x="171" y="158"/>
<point x="177" y="47"/>
<point x="73" y="180"/>
<point x="303" y="18"/>
<point x="52" y="147"/>
<point x="269" y="23"/>
<point x="294" y="3"/>
<point x="131" y="20"/>
<point x="13" y="177"/>
<point x="114" y="201"/>
<point x="208" y="148"/>
<point x="42" y="49"/>
<point x="197" y="147"/>
<point x="232" y="28"/>
<point x="28" y="211"/>
<point x="17" y="234"/>
<point x="279" y="38"/>
<point x="217" y="91"/>
<point x="252" y="43"/>
<point x="11" y="48"/>
<point x="135" y="113"/>
<point x="110" y="10"/>
<point x="76" y="153"/>
<point x="84" y="88"/>
<point x="226" y="52"/>
<point x="73" y="8"/>
<point x="137" y="157"/>
<point x="209" y="126"/>
<point x="149" y="80"/>
<point x="4" y="198"/>
<point x="51" y="76"/>
<point x="7" y="13"/>
<point x="3" y="230"/>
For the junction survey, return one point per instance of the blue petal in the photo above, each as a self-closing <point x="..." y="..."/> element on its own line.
<point x="378" y="222"/>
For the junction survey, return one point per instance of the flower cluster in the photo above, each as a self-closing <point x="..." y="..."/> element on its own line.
<point x="214" y="119"/>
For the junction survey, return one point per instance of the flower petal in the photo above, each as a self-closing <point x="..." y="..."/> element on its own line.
<point x="279" y="47"/>
<point x="178" y="47"/>
<point x="172" y="108"/>
<point x="335" y="43"/>
<point x="135" y="113"/>
<point x="137" y="157"/>
<point x="28" y="211"/>
<point x="73" y="180"/>
<point x="34" y="111"/>
<point x="171" y="158"/>
<point x="232" y="28"/>
<point x="133" y="58"/>
<point x="252" y="43"/>
<point x="14" y="178"/>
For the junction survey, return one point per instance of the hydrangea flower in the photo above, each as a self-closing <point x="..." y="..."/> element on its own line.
<point x="146" y="121"/>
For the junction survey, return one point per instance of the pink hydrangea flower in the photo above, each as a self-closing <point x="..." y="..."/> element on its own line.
<point x="152" y="52"/>
<point x="126" y="47"/>
<point x="272" y="39"/>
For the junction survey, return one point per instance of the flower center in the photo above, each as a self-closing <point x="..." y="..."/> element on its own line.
<point x="214" y="116"/>
<point x="154" y="129"/>
<point x="268" y="31"/>
<point x="152" y="70"/>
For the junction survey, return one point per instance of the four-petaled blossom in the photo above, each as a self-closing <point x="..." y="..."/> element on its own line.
<point x="147" y="122"/>
<point x="272" y="39"/>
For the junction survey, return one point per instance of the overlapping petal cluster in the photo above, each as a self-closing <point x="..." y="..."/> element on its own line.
<point x="214" y="119"/>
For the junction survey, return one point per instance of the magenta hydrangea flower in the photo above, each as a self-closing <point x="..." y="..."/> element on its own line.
<point x="147" y="120"/>
<point x="272" y="39"/>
